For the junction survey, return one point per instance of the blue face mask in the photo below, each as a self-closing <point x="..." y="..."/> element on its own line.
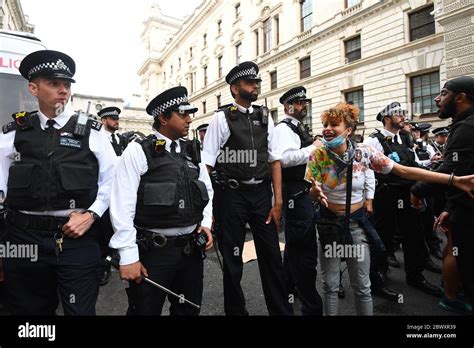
<point x="336" y="142"/>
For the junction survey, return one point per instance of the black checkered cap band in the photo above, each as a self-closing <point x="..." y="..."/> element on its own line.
<point x="247" y="72"/>
<point x="396" y="110"/>
<point x="163" y="107"/>
<point x="110" y="113"/>
<point x="300" y="94"/>
<point x="58" y="65"/>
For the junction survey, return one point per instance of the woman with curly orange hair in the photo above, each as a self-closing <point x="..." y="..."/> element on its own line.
<point x="327" y="171"/>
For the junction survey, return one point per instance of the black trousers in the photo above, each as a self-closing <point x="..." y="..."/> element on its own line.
<point x="392" y="210"/>
<point x="463" y="240"/>
<point x="32" y="286"/>
<point x="301" y="250"/>
<point x="171" y="268"/>
<point x="233" y="209"/>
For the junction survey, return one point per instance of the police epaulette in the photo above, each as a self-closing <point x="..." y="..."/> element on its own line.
<point x="7" y="128"/>
<point x="224" y="107"/>
<point x="96" y="125"/>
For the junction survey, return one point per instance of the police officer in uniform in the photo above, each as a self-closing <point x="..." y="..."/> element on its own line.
<point x="440" y="138"/>
<point x="243" y="192"/>
<point x="109" y="117"/>
<point x="169" y="218"/>
<point x="392" y="208"/>
<point x="57" y="170"/>
<point x="301" y="253"/>
<point x="202" y="129"/>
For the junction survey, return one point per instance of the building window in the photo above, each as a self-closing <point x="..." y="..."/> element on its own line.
<point x="273" y="80"/>
<point x="238" y="53"/>
<point x="305" y="67"/>
<point x="205" y="75"/>
<point x="257" y="51"/>
<point x="306" y="14"/>
<point x="164" y="76"/>
<point x="424" y="88"/>
<point x="352" y="49"/>
<point x="179" y="63"/>
<point x="190" y="52"/>
<point x="218" y="101"/>
<point x="191" y="82"/>
<point x="277" y="29"/>
<point x="308" y="120"/>
<point x="219" y="26"/>
<point x="350" y="3"/>
<point x="204" y="107"/>
<point x="237" y="10"/>
<point x="421" y="23"/>
<point x="267" y="35"/>
<point x="219" y="66"/>
<point x="171" y="70"/>
<point x="204" y="39"/>
<point x="274" y="114"/>
<point x="357" y="98"/>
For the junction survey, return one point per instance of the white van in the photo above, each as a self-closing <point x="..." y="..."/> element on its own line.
<point x="14" y="94"/>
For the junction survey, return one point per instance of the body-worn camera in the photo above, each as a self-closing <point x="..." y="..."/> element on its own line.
<point x="200" y="240"/>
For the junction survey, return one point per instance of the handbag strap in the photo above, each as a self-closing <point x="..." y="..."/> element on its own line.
<point x="348" y="196"/>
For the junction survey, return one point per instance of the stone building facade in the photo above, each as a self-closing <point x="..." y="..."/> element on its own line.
<point x="13" y="18"/>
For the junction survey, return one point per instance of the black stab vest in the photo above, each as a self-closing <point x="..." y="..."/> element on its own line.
<point x="53" y="170"/>
<point x="170" y="193"/>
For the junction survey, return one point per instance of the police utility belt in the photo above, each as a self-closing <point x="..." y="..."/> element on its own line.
<point x="36" y="222"/>
<point x="234" y="184"/>
<point x="148" y="240"/>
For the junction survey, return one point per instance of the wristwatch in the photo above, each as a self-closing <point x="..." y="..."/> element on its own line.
<point x="94" y="215"/>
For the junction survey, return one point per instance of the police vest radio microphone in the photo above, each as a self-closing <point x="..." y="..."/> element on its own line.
<point x="265" y="113"/>
<point x="81" y="124"/>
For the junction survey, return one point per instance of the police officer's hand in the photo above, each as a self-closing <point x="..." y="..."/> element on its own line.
<point x="368" y="205"/>
<point x="442" y="222"/>
<point x="316" y="193"/>
<point x="436" y="157"/>
<point x="78" y="224"/>
<point x="210" y="240"/>
<point x="318" y="143"/>
<point x="133" y="271"/>
<point x="275" y="215"/>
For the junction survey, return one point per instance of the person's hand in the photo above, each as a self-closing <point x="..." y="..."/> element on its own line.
<point x="133" y="272"/>
<point x="78" y="224"/>
<point x="417" y="203"/>
<point x="436" y="157"/>
<point x="316" y="193"/>
<point x="318" y="143"/>
<point x="210" y="240"/>
<point x="465" y="183"/>
<point x="275" y="215"/>
<point x="369" y="207"/>
<point x="442" y="222"/>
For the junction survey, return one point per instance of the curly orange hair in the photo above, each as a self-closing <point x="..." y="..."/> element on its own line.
<point x="342" y="112"/>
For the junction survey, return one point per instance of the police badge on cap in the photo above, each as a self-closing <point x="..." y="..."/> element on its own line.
<point x="48" y="63"/>
<point x="441" y="131"/>
<point x="173" y="99"/>
<point x="110" y="111"/>
<point x="245" y="70"/>
<point x="294" y="94"/>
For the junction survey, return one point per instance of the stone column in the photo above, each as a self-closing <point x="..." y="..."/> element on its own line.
<point x="457" y="18"/>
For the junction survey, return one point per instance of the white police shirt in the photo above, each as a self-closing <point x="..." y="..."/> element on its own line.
<point x="288" y="143"/>
<point x="98" y="144"/>
<point x="218" y="133"/>
<point x="131" y="166"/>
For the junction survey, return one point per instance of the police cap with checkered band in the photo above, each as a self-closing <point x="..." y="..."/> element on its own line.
<point x="245" y="70"/>
<point x="48" y="63"/>
<point x="173" y="99"/>
<point x="110" y="111"/>
<point x="294" y="94"/>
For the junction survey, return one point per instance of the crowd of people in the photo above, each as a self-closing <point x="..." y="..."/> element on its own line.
<point x="80" y="192"/>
